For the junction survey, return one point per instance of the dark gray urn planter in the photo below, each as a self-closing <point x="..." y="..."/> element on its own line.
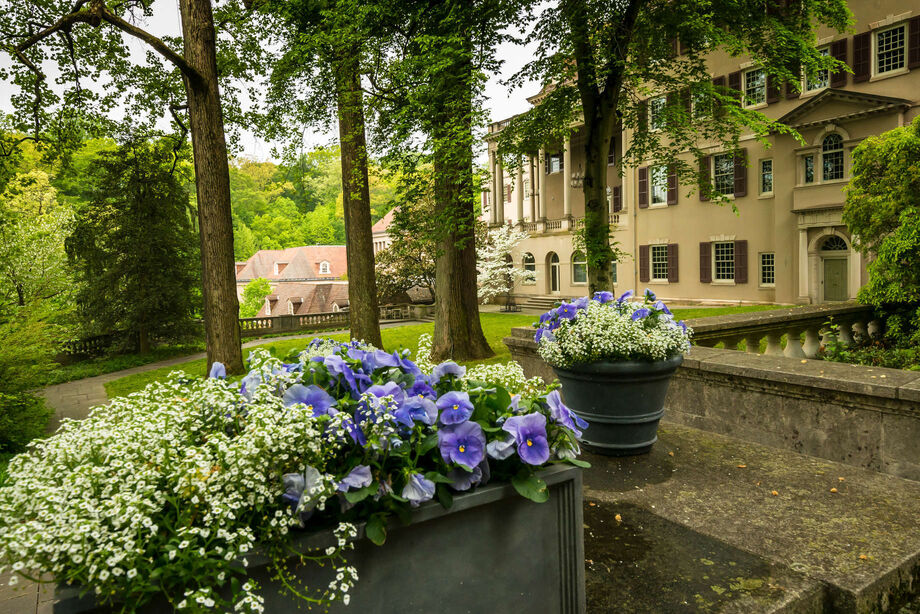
<point x="621" y="401"/>
<point x="493" y="551"/>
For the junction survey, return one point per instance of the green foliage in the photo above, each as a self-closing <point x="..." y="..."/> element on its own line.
<point x="28" y="338"/>
<point x="254" y="297"/>
<point x="23" y="417"/>
<point x="135" y="246"/>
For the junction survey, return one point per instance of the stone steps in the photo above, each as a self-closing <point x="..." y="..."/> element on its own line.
<point x="699" y="519"/>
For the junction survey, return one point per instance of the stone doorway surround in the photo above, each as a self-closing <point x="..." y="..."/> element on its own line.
<point x="815" y="227"/>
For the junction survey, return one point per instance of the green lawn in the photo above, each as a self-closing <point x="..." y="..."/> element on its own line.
<point x="496" y="326"/>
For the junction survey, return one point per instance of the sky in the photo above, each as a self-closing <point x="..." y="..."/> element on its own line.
<point x="500" y="101"/>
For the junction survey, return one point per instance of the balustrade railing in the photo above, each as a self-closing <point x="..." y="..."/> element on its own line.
<point x="258" y="326"/>
<point x="805" y="329"/>
<point x="553" y="225"/>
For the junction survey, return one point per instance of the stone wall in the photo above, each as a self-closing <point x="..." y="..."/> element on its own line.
<point x="864" y="416"/>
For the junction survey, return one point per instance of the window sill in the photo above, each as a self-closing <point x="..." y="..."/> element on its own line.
<point x="766" y="195"/>
<point x="723" y="282"/>
<point x="809" y="93"/>
<point x="888" y="75"/>
<point x="579" y="283"/>
<point x="766" y="287"/>
<point x="658" y="206"/>
<point x="659" y="282"/>
<point x="754" y="107"/>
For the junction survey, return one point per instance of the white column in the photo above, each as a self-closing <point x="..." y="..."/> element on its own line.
<point x="533" y="189"/>
<point x="501" y="200"/>
<point x="566" y="175"/>
<point x="519" y="190"/>
<point x="542" y="174"/>
<point x="855" y="270"/>
<point x="803" y="263"/>
<point x="493" y="210"/>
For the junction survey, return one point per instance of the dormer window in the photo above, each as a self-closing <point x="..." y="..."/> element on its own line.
<point x="324" y="268"/>
<point x="279" y="267"/>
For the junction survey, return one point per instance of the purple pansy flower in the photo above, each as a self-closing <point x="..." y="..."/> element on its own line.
<point x="250" y="383"/>
<point x="461" y="479"/>
<point x="418" y="489"/>
<point x="500" y="449"/>
<point x="218" y="371"/>
<point x="417" y="409"/>
<point x="357" y="478"/>
<point x="683" y="326"/>
<point x="444" y="369"/>
<point x="649" y="295"/>
<point x="455" y="407"/>
<point x="625" y="296"/>
<point x="316" y="400"/>
<point x="561" y="414"/>
<point x="660" y="306"/>
<point x="567" y="311"/>
<point x="581" y="303"/>
<point x="389" y="389"/>
<point x="420" y="388"/>
<point x="339" y="368"/>
<point x="544" y="333"/>
<point x="530" y="435"/>
<point x="603" y="296"/>
<point x="354" y="431"/>
<point x="463" y="444"/>
<point x="638" y="314"/>
<point x="295" y="485"/>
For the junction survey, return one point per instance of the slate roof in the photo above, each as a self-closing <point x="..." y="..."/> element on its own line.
<point x="383" y="223"/>
<point x="306" y="297"/>
<point x="294" y="263"/>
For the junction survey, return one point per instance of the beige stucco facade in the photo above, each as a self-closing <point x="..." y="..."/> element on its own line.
<point x="786" y="244"/>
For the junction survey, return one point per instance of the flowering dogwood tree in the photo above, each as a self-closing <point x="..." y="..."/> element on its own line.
<point x="496" y="271"/>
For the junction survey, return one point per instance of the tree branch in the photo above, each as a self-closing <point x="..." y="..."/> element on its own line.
<point x="174" y="111"/>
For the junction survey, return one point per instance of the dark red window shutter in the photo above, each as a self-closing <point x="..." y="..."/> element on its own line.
<point x="862" y="60"/>
<point x="741" y="173"/>
<point x="705" y="262"/>
<point x="913" y="43"/>
<point x="772" y="90"/>
<point x="685" y="101"/>
<point x="839" y="52"/>
<point x="643" y="263"/>
<point x="617" y="198"/>
<point x="670" y="104"/>
<point x="741" y="262"/>
<point x="792" y="87"/>
<point x="719" y="84"/>
<point x="734" y="84"/>
<point x="643" y="187"/>
<point x="672" y="185"/>
<point x="507" y="193"/>
<point x="704" y="179"/>
<point x="672" y="263"/>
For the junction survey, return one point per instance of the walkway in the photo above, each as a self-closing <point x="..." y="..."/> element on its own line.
<point x="75" y="399"/>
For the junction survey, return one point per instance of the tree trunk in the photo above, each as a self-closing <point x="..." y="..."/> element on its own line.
<point x="597" y="217"/>
<point x="457" y="329"/>
<point x="212" y="182"/>
<point x="362" y="283"/>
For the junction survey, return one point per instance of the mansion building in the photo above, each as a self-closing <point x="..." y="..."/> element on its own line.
<point x="787" y="242"/>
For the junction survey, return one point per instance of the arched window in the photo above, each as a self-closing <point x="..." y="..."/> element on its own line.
<point x="579" y="268"/>
<point x="832" y="157"/>
<point x="530" y="264"/>
<point x="834" y="244"/>
<point x="323" y="268"/>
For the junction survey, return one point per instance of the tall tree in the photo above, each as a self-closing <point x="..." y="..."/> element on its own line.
<point x="600" y="60"/>
<point x="324" y="44"/>
<point x="134" y="245"/>
<point x="89" y="38"/>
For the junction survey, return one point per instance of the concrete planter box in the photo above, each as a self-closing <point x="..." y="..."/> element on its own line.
<point x="493" y="551"/>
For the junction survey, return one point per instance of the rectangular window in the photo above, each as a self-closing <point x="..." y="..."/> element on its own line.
<point x="889" y="50"/>
<point x="809" y="169"/>
<point x="755" y="87"/>
<point x="701" y="104"/>
<point x="656" y="112"/>
<point x="767" y="269"/>
<point x="819" y="80"/>
<point x="526" y="186"/>
<point x="659" y="262"/>
<point x="611" y="152"/>
<point x="658" y="178"/>
<point x="553" y="163"/>
<point x="613" y="271"/>
<point x="723" y="178"/>
<point x="724" y="259"/>
<point x="766" y="176"/>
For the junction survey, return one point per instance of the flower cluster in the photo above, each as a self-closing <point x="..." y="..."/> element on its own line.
<point x="606" y="329"/>
<point x="166" y="490"/>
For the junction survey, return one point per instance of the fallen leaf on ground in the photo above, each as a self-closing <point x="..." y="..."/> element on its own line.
<point x="592" y="504"/>
<point x="618" y="518"/>
<point x="804" y="361"/>
<point x="863" y="557"/>
<point x="775" y="494"/>
<point x="670" y="454"/>
<point x="742" y="466"/>
<point x="833" y="490"/>
<point x="841" y="479"/>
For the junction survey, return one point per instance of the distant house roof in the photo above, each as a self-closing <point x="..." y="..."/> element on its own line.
<point x="383" y="223"/>
<point x="294" y="264"/>
<point x="305" y="298"/>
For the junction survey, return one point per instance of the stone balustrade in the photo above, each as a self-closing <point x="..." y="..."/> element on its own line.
<point x="806" y="329"/>
<point x="267" y="325"/>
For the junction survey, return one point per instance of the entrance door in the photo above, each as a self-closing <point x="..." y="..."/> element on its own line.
<point x="835" y="279"/>
<point x="554" y="282"/>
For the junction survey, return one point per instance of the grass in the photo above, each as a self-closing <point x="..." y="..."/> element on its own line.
<point x="496" y="326"/>
<point x="117" y="362"/>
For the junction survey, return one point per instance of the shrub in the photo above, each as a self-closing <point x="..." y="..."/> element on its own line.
<point x="23" y="417"/>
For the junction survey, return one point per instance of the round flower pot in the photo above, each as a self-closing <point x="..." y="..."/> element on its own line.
<point x="621" y="401"/>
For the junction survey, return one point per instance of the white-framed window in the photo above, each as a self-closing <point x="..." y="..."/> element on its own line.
<point x="767" y="269"/>
<point x="530" y="264"/>
<point x="659" y="257"/>
<point x="279" y="267"/>
<point x="290" y="308"/>
<point x="808" y="169"/>
<point x="658" y="184"/>
<point x="832" y="157"/>
<point x="526" y="185"/>
<point x="766" y="176"/>
<point x="820" y="79"/>
<point x="656" y="108"/>
<point x="890" y="49"/>
<point x="724" y="260"/>
<point x="611" y="152"/>
<point x="613" y="272"/>
<point x="700" y="103"/>
<point x="723" y="174"/>
<point x="323" y="268"/>
<point x="554" y="163"/>
<point x="755" y="87"/>
<point x="579" y="268"/>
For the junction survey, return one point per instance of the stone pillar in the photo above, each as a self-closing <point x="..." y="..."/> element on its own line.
<point x="501" y="199"/>
<point x="519" y="190"/>
<point x="566" y="178"/>
<point x="845" y="333"/>
<point x="803" y="265"/>
<point x="541" y="173"/>
<point x="532" y="177"/>
<point x="812" y="342"/>
<point x="860" y="330"/>
<point x="793" y="344"/>
<point x="774" y="347"/>
<point x="496" y="192"/>
<point x="752" y="343"/>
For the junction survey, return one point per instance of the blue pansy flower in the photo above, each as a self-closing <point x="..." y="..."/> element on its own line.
<point x="625" y="296"/>
<point x="530" y="436"/>
<point x="660" y="306"/>
<point x="567" y="311"/>
<point x="421" y="389"/>
<point x="418" y="489"/>
<point x="389" y="389"/>
<point x="603" y="296"/>
<point x="339" y="369"/>
<point x="638" y="314"/>
<point x="500" y="449"/>
<point x="461" y="479"/>
<point x="445" y="369"/>
<point x="581" y="303"/>
<point x="357" y="478"/>
<point x="295" y="485"/>
<point x="316" y="400"/>
<point x="649" y="295"/>
<point x="417" y="409"/>
<point x="249" y="384"/>
<point x="354" y="431"/>
<point x="544" y="333"/>
<point x="561" y="414"/>
<point x="463" y="444"/>
<point x="683" y="326"/>
<point x="218" y="371"/>
<point x="455" y="407"/>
